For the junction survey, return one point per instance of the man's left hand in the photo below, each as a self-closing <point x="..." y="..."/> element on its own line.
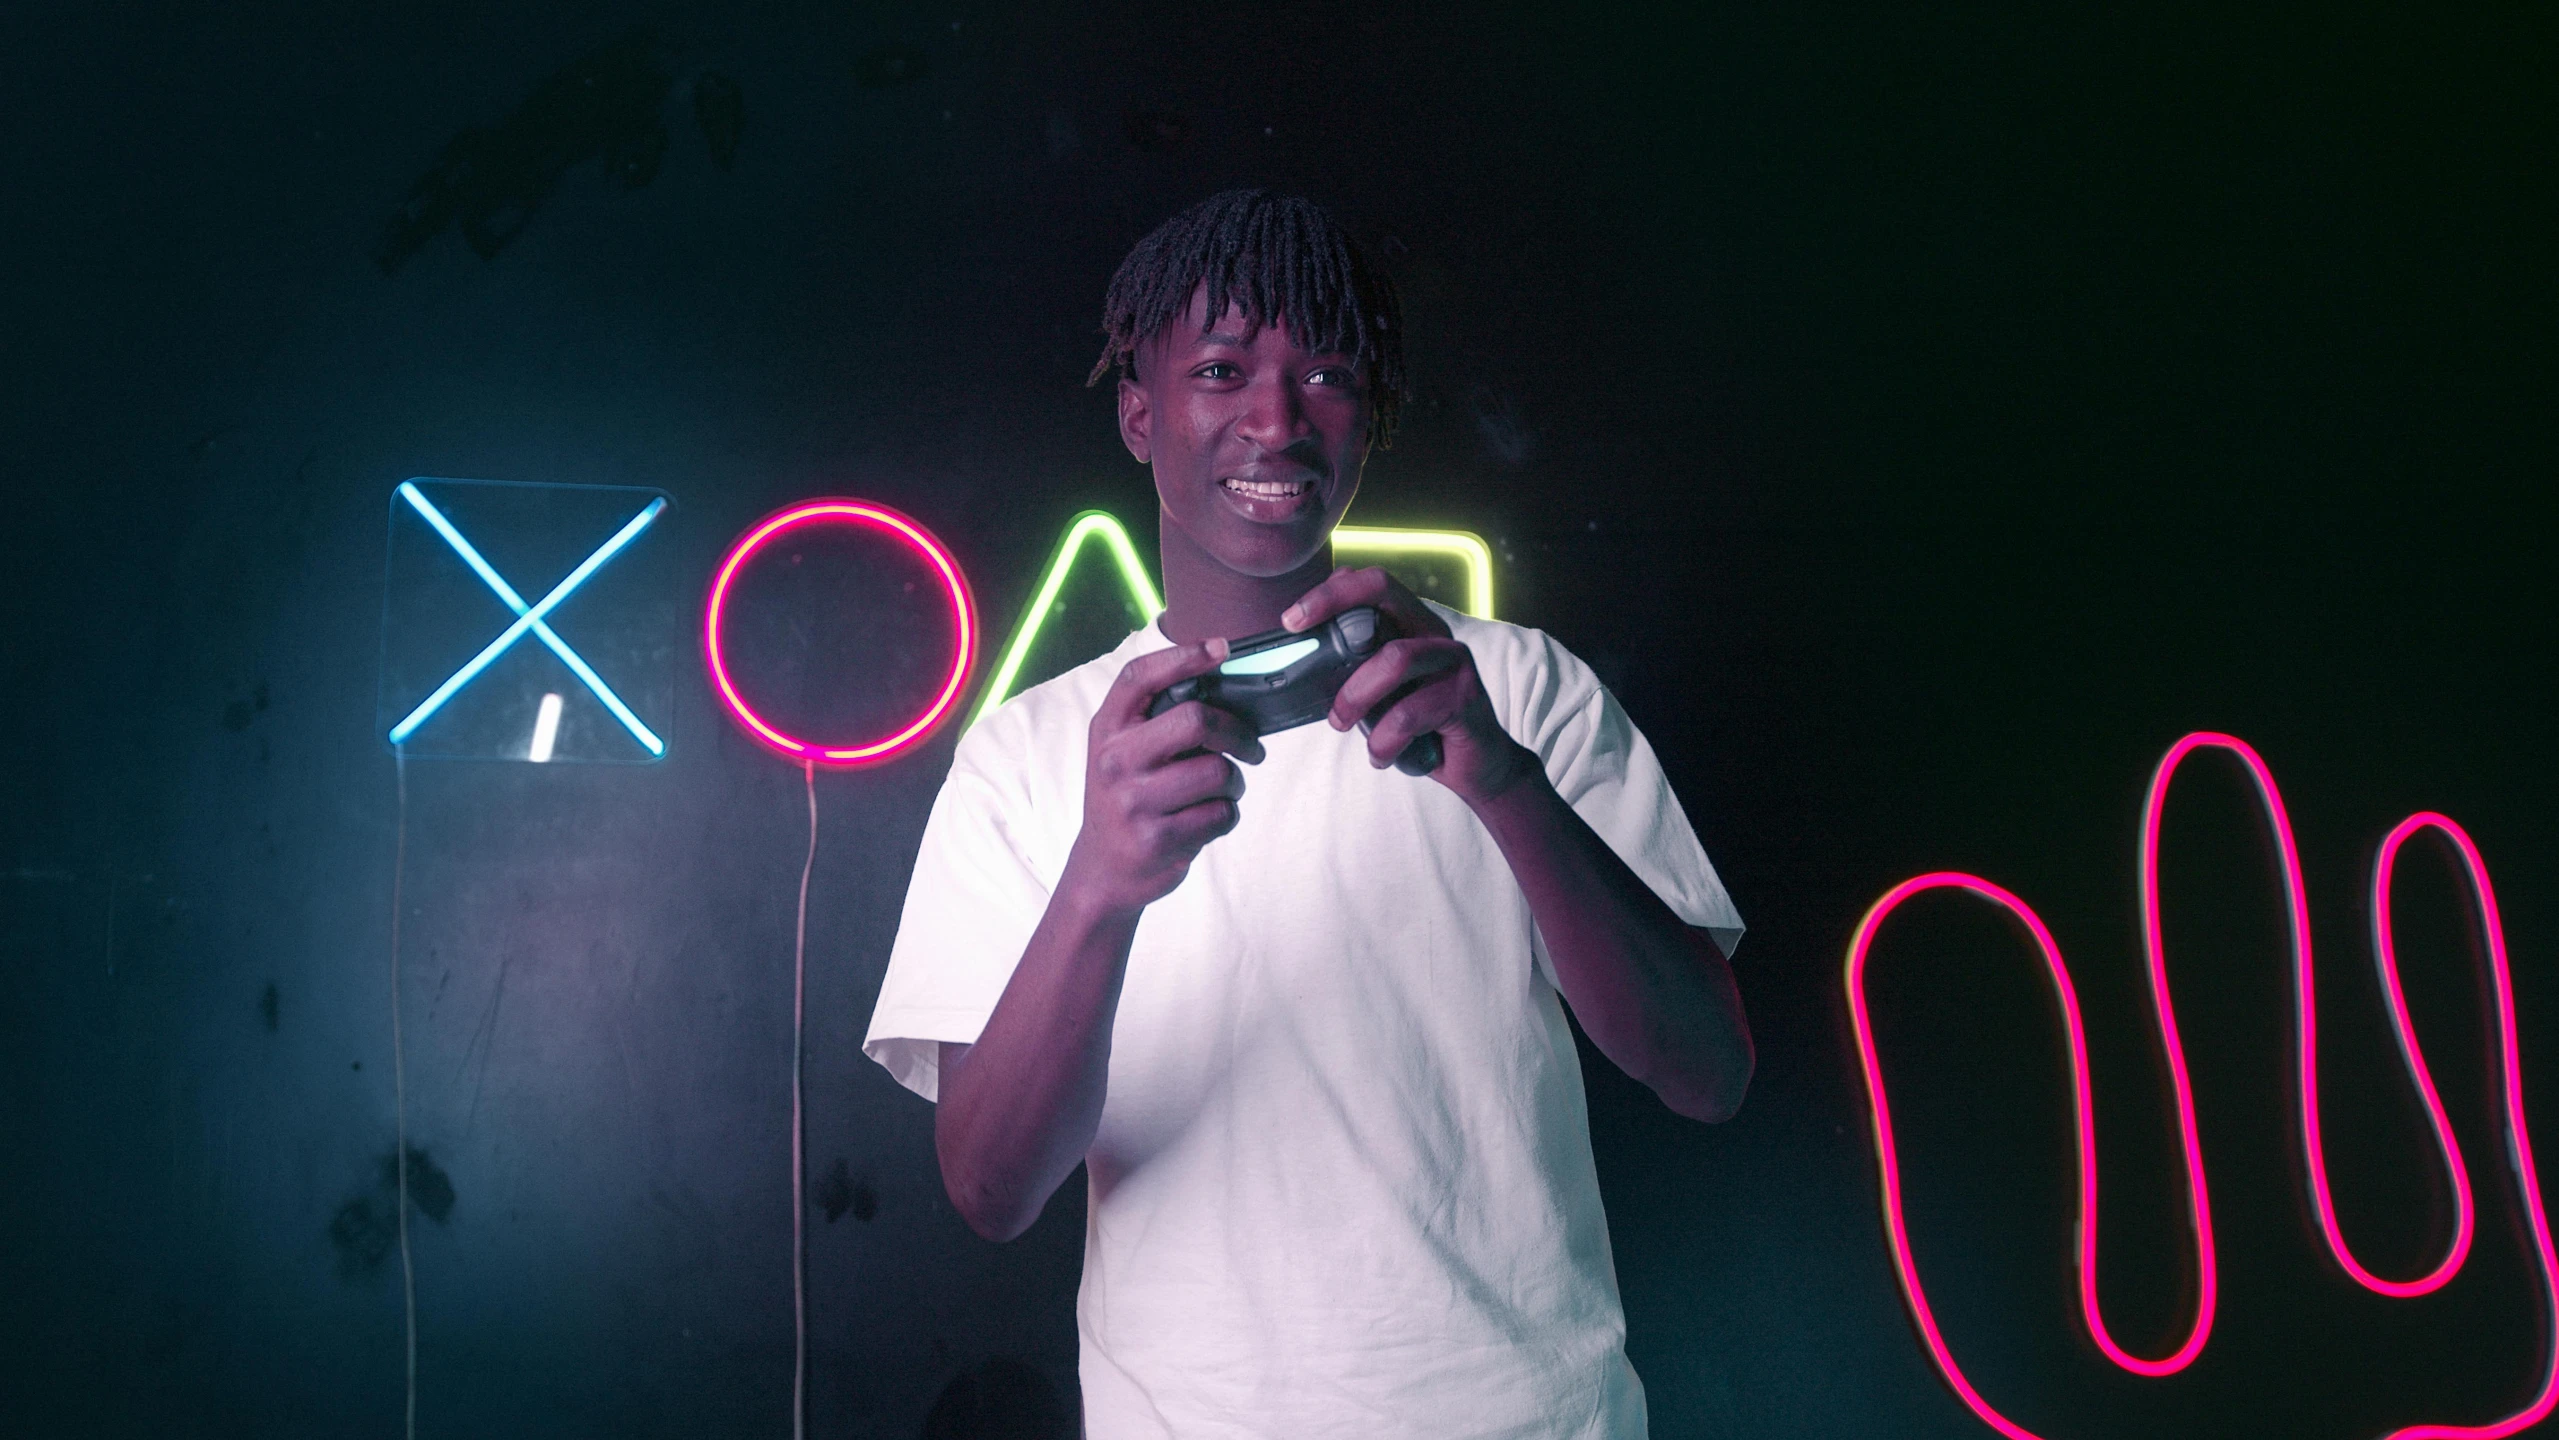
<point x="1420" y="683"/>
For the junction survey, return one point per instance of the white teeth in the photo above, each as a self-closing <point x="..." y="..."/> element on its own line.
<point x="1267" y="489"/>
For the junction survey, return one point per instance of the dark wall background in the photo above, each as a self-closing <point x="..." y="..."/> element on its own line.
<point x="1921" y="417"/>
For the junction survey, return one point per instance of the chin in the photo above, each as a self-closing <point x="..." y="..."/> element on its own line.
<point x="1268" y="555"/>
<point x="1260" y="549"/>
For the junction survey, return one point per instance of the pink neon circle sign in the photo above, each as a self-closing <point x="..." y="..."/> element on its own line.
<point x="876" y="517"/>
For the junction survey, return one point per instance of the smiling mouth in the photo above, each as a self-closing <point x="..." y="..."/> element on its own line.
<point x="1266" y="489"/>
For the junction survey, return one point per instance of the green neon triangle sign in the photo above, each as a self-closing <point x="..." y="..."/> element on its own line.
<point x="1135" y="583"/>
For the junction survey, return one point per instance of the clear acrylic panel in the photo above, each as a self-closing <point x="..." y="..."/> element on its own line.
<point x="528" y="621"/>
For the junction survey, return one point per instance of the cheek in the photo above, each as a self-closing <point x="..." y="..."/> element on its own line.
<point x="1180" y="474"/>
<point x="1184" y="442"/>
<point x="1347" y="430"/>
<point x="1348" y="462"/>
<point x="1170" y="427"/>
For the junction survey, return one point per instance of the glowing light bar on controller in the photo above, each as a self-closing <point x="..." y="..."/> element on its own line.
<point x="528" y="618"/>
<point x="1371" y="544"/>
<point x="2305" y="1015"/>
<point x="1265" y="661"/>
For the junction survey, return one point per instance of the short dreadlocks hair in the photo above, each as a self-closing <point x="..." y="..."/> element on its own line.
<point x="1274" y="257"/>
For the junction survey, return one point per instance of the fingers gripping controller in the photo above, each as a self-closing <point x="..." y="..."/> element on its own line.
<point x="1281" y="679"/>
<point x="1157" y="788"/>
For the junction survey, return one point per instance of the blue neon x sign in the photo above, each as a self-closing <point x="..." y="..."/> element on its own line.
<point x="528" y="619"/>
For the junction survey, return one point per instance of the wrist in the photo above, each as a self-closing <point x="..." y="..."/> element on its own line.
<point x="1512" y="783"/>
<point x="1087" y="901"/>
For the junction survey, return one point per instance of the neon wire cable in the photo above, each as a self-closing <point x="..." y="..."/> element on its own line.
<point x="400" y="1092"/>
<point x="799" y="1138"/>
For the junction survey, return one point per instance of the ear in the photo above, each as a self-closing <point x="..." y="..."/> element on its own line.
<point x="1137" y="422"/>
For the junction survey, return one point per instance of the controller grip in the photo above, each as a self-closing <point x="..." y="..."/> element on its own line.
<point x="1181" y="691"/>
<point x="1422" y="756"/>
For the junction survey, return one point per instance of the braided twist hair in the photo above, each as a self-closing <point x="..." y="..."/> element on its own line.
<point x="1273" y="257"/>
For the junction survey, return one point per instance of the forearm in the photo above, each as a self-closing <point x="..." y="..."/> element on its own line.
<point x="1018" y="1109"/>
<point x="1654" y="994"/>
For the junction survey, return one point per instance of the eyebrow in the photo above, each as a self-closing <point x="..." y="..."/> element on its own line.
<point x="1223" y="337"/>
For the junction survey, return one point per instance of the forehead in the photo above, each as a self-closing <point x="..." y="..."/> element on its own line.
<point x="1192" y="330"/>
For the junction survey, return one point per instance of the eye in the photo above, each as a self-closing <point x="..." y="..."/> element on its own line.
<point x="1217" y="370"/>
<point x="1342" y="375"/>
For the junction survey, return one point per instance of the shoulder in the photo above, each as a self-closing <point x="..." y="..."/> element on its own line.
<point x="1533" y="679"/>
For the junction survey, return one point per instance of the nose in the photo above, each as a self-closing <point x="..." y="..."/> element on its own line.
<point x="1274" y="413"/>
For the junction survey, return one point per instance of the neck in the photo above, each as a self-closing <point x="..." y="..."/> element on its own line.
<point x="1203" y="598"/>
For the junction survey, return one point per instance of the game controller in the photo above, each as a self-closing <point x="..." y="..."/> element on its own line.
<point x="1281" y="679"/>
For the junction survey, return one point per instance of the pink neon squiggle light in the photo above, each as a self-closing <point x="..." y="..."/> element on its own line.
<point x="843" y="512"/>
<point x="2509" y="1085"/>
<point x="2306" y="1019"/>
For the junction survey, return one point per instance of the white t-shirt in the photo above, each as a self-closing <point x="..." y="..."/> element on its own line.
<point x="1342" y="1188"/>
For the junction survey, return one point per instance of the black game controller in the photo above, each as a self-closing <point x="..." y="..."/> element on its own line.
<point x="1281" y="679"/>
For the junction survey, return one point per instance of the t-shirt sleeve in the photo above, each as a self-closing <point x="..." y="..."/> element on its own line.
<point x="970" y="909"/>
<point x="1606" y="770"/>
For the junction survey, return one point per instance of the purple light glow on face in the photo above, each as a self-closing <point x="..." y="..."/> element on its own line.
<point x="843" y="512"/>
<point x="2306" y="1021"/>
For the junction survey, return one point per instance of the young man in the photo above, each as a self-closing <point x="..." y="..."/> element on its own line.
<point x="1307" y="1042"/>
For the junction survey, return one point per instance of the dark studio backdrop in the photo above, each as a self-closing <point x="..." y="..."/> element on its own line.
<point x="1921" y="419"/>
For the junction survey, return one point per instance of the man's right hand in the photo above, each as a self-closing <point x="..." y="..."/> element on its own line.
<point x="1018" y="1115"/>
<point x="1157" y="790"/>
